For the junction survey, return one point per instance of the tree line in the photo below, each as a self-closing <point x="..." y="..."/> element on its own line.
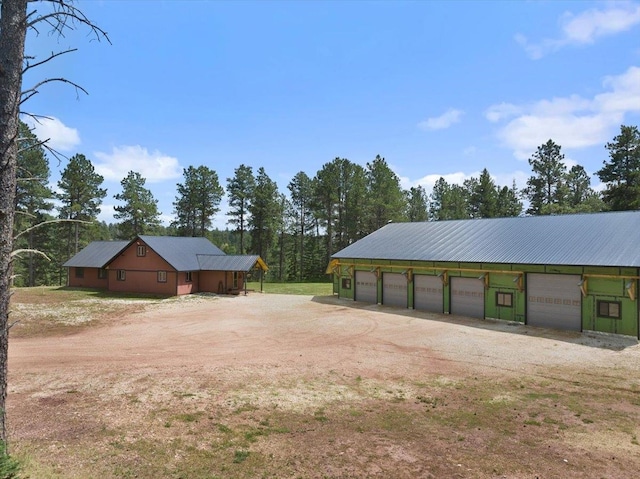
<point x="295" y="233"/>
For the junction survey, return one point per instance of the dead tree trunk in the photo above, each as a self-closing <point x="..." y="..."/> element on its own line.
<point x="13" y="30"/>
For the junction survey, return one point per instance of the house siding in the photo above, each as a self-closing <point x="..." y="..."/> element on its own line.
<point x="188" y="287"/>
<point x="142" y="282"/>
<point x="90" y="279"/>
<point x="213" y="281"/>
<point x="141" y="272"/>
<point x="219" y="281"/>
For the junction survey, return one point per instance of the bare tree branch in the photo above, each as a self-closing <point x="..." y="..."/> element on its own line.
<point x="64" y="18"/>
<point x="50" y="57"/>
<point x="62" y="220"/>
<point x="25" y="213"/>
<point x="31" y="147"/>
<point x="26" y="94"/>
<point x="35" y="116"/>
<point x="18" y="252"/>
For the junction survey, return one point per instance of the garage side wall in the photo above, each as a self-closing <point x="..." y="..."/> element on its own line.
<point x="609" y="290"/>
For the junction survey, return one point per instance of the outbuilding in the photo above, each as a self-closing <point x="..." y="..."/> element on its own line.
<point x="575" y="272"/>
<point x="166" y="265"/>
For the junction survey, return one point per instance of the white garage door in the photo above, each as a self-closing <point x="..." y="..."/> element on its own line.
<point x="427" y="293"/>
<point x="394" y="289"/>
<point x="366" y="287"/>
<point x="554" y="301"/>
<point x="467" y="297"/>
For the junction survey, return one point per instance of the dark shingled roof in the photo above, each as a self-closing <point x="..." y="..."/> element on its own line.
<point x="96" y="255"/>
<point x="228" y="263"/>
<point x="181" y="252"/>
<point x="598" y="239"/>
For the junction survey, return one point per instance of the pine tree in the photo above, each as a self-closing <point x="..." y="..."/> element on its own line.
<point x="80" y="197"/>
<point x="198" y="201"/>
<point x="621" y="173"/>
<point x="265" y="215"/>
<point x="417" y="204"/>
<point x="482" y="196"/>
<point x="386" y="200"/>
<point x="547" y="185"/>
<point x="240" y="190"/>
<point x="448" y="202"/>
<point x="32" y="202"/>
<point x="509" y="203"/>
<point x="301" y="189"/>
<point x="139" y="214"/>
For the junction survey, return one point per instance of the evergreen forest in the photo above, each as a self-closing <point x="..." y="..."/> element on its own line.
<point x="297" y="230"/>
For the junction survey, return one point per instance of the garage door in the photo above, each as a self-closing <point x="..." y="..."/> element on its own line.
<point x="427" y="293"/>
<point x="467" y="297"/>
<point x="394" y="289"/>
<point x="366" y="287"/>
<point x="554" y="301"/>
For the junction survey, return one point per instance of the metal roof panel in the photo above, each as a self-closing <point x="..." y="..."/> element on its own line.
<point x="96" y="254"/>
<point x="597" y="239"/>
<point x="227" y="262"/>
<point x="181" y="252"/>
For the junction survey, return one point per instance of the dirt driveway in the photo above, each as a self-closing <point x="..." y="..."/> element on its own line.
<point x="294" y="386"/>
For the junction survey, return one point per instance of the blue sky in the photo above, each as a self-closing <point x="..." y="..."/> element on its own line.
<point x="436" y="88"/>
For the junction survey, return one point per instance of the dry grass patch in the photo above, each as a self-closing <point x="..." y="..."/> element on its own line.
<point x="238" y="388"/>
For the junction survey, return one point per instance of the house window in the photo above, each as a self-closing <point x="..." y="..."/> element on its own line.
<point x="102" y="273"/>
<point x="162" y="276"/>
<point x="141" y="250"/>
<point x="235" y="280"/>
<point x="609" y="309"/>
<point x="187" y="277"/>
<point x="346" y="283"/>
<point x="504" y="299"/>
<point x="79" y="272"/>
<point x="121" y="275"/>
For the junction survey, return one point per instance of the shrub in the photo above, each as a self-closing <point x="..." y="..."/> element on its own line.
<point x="9" y="467"/>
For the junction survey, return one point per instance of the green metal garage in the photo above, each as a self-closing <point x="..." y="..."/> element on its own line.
<point x="574" y="272"/>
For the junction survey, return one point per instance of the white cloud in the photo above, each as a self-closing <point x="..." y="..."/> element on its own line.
<point x="153" y="167"/>
<point x="458" y="178"/>
<point x="443" y="121"/>
<point x="470" y="151"/>
<point x="106" y="213"/>
<point x="591" y="24"/>
<point x="507" y="179"/>
<point x="61" y="137"/>
<point x="572" y="122"/>
<point x="585" y="28"/>
<point x="499" y="112"/>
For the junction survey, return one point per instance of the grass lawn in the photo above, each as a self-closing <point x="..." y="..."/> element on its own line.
<point x="313" y="289"/>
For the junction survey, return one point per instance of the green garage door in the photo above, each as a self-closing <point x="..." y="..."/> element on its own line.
<point x="554" y="301"/>
<point x="427" y="293"/>
<point x="467" y="297"/>
<point x="366" y="287"/>
<point x="394" y="289"/>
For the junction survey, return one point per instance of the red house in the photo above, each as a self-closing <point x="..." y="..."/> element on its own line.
<point x="166" y="265"/>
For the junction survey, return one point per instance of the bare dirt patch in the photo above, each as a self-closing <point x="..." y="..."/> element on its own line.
<point x="293" y="386"/>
